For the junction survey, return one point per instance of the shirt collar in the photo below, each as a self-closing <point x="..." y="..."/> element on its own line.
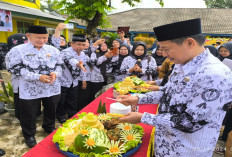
<point x="195" y="62"/>
<point x="30" y="46"/>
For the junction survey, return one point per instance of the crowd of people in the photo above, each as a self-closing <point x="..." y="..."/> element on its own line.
<point x="193" y="95"/>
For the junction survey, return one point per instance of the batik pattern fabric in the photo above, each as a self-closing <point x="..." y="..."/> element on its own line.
<point x="119" y="75"/>
<point x="29" y="63"/>
<point x="15" y="83"/>
<point x="191" y="108"/>
<point x="71" y="73"/>
<point x="96" y="75"/>
<point x="147" y="69"/>
<point x="85" y="76"/>
<point x="55" y="42"/>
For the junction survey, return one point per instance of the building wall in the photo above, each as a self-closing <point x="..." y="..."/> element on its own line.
<point x="5" y="35"/>
<point x="35" y="5"/>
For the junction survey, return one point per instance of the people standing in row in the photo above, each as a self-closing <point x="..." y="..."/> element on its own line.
<point x="38" y="67"/>
<point x="124" y="51"/>
<point x="139" y="63"/>
<point x="102" y="60"/>
<point x="85" y="92"/>
<point x="70" y="78"/>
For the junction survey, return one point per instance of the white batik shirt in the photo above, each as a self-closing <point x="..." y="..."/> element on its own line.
<point x="71" y="73"/>
<point x="85" y="76"/>
<point x="118" y="74"/>
<point x="147" y="69"/>
<point x="29" y="63"/>
<point x="15" y="83"/>
<point x="192" y="107"/>
<point x="96" y="75"/>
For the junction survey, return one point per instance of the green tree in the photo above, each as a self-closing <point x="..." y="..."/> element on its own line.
<point x="49" y="6"/>
<point x="92" y="12"/>
<point x="218" y="3"/>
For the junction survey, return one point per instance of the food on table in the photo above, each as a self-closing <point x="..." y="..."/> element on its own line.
<point x="103" y="117"/>
<point x="91" y="121"/>
<point x="111" y="124"/>
<point x="101" y="108"/>
<point x="115" y="114"/>
<point x="131" y="84"/>
<point x="79" y="136"/>
<point x="118" y="107"/>
<point x="93" y="140"/>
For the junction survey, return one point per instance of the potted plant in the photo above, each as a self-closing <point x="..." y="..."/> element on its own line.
<point x="7" y="96"/>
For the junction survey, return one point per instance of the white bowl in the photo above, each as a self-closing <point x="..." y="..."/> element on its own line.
<point x="119" y="108"/>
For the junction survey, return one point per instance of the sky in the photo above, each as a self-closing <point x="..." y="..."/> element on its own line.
<point x="153" y="4"/>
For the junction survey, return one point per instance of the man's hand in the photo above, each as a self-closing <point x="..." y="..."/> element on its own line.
<point x="81" y="66"/>
<point x="99" y="42"/>
<point x="132" y="117"/>
<point x="151" y="82"/>
<point x="153" y="88"/>
<point x="60" y="27"/>
<point x="84" y="84"/>
<point x="45" y="78"/>
<point x="128" y="100"/>
<point x="1" y="80"/>
<point x="53" y="77"/>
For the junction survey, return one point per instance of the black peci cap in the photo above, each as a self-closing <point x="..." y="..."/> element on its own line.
<point x="77" y="37"/>
<point x="37" y="29"/>
<point x="178" y="29"/>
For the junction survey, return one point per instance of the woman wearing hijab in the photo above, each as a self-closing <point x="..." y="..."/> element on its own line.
<point x="124" y="51"/>
<point x="117" y="43"/>
<point x="158" y="56"/>
<point x="225" y="51"/>
<point x="139" y="63"/>
<point x="102" y="61"/>
<point x="212" y="49"/>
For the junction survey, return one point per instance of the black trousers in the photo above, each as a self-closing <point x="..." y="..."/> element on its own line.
<point x="96" y="86"/>
<point x="84" y="95"/>
<point x="16" y="104"/>
<point x="67" y="102"/>
<point x="228" y="124"/>
<point x="29" y="110"/>
<point x="17" y="108"/>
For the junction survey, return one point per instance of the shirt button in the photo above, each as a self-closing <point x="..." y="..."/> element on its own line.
<point x="186" y="79"/>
